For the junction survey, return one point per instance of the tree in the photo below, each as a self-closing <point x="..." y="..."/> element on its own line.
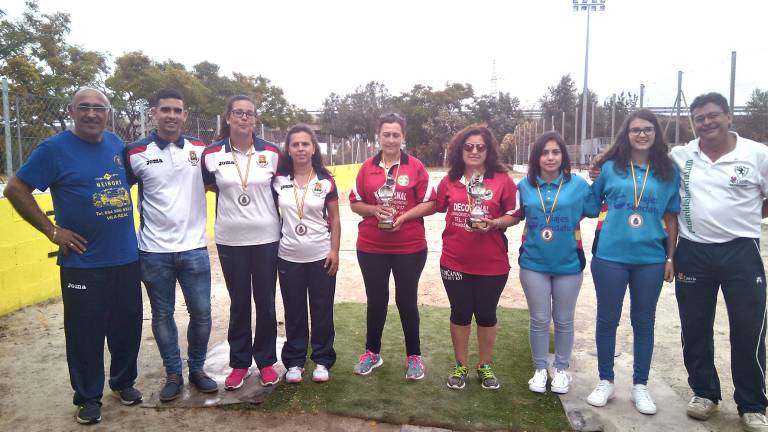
<point x="754" y="124"/>
<point x="560" y="98"/>
<point x="38" y="62"/>
<point x="500" y="112"/>
<point x="625" y="103"/>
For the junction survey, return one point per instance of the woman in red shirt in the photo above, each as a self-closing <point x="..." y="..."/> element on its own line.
<point x="474" y="265"/>
<point x="399" y="248"/>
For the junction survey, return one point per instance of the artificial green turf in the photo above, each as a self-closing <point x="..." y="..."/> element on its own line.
<point x="385" y="395"/>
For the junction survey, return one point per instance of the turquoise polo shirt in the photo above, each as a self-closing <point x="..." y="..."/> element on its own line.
<point x="615" y="239"/>
<point x="562" y="254"/>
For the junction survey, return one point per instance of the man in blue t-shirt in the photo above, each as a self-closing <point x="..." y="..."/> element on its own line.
<point x="98" y="254"/>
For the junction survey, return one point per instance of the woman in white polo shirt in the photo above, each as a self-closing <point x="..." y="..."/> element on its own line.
<point x="240" y="167"/>
<point x="308" y="257"/>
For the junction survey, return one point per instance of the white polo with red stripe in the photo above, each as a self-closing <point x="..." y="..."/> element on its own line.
<point x="256" y="222"/>
<point x="171" y="198"/>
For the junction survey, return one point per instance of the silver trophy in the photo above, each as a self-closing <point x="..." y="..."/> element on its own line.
<point x="385" y="195"/>
<point x="476" y="189"/>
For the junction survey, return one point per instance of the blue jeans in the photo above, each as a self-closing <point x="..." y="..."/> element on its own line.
<point x="159" y="272"/>
<point x="645" y="282"/>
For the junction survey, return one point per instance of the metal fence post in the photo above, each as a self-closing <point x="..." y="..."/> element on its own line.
<point x="18" y="132"/>
<point x="198" y="127"/>
<point x="7" y="124"/>
<point x="218" y="124"/>
<point x="143" y="125"/>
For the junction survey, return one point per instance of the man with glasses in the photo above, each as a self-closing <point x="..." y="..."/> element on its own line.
<point x="172" y="241"/>
<point x="723" y="188"/>
<point x="98" y="258"/>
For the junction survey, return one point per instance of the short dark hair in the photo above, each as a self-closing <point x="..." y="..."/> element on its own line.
<point x="166" y="93"/>
<point x="534" y="168"/>
<point x="391" y="117"/>
<point x="711" y="97"/>
<point x="456" y="149"/>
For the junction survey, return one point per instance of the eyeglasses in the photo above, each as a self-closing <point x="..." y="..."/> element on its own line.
<point x="714" y="115"/>
<point x="86" y="108"/>
<point x="167" y="110"/>
<point x="468" y="147"/>
<point x="240" y="113"/>
<point x="646" y="130"/>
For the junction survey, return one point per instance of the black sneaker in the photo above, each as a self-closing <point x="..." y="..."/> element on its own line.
<point x="128" y="396"/>
<point x="172" y="388"/>
<point x="88" y="413"/>
<point x="202" y="382"/>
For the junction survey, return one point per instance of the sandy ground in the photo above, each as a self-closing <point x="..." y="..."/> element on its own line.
<point x="35" y="393"/>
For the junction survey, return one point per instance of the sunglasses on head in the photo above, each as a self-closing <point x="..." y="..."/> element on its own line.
<point x="468" y="147"/>
<point x="167" y="110"/>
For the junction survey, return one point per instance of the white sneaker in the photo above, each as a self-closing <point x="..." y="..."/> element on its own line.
<point x="754" y="422"/>
<point x="642" y="399"/>
<point x="293" y="376"/>
<point x="320" y="374"/>
<point x="601" y="394"/>
<point x="538" y="383"/>
<point x="561" y="381"/>
<point x="700" y="408"/>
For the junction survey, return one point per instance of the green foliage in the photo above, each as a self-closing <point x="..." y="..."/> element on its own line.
<point x="385" y="395"/>
<point x="754" y="124"/>
<point x="560" y="98"/>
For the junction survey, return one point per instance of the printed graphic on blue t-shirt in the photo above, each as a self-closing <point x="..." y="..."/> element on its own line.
<point x="90" y="196"/>
<point x="627" y="234"/>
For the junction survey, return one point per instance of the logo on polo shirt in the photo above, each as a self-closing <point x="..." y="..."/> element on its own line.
<point x="154" y="161"/>
<point x="226" y="163"/>
<point x="682" y="278"/>
<point x="262" y="161"/>
<point x="740" y="173"/>
<point x="118" y="160"/>
<point x="288" y="186"/>
<point x="76" y="286"/>
<point x="488" y="194"/>
<point x="403" y="180"/>
<point x="318" y="189"/>
<point x="193" y="159"/>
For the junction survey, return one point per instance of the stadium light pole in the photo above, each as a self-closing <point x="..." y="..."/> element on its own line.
<point x="588" y="6"/>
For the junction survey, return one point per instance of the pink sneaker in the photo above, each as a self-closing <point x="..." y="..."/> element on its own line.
<point x="269" y="376"/>
<point x="236" y="378"/>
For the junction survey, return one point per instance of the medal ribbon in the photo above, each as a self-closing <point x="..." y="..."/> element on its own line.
<point x="634" y="182"/>
<point x="243" y="181"/>
<point x="300" y="208"/>
<point x="554" y="203"/>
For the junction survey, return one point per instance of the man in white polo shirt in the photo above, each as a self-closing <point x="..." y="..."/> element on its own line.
<point x="724" y="184"/>
<point x="172" y="241"/>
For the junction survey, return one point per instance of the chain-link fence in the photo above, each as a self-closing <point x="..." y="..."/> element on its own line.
<point x="31" y="119"/>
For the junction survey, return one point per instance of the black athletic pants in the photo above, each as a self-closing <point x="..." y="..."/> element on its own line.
<point x="297" y="282"/>
<point x="98" y="303"/>
<point x="736" y="266"/>
<point x="406" y="268"/>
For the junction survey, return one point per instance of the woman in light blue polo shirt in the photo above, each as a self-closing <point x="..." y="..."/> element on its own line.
<point x="634" y="245"/>
<point x="552" y="201"/>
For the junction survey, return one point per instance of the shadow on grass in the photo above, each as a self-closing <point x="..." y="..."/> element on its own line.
<point x="386" y="396"/>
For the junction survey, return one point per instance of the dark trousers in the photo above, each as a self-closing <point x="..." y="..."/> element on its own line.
<point x="406" y="268"/>
<point x="98" y="303"/>
<point x="297" y="281"/>
<point x="473" y="295"/>
<point x="735" y="266"/>
<point x="251" y="271"/>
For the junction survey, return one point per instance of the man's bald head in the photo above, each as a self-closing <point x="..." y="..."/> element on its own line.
<point x="82" y="91"/>
<point x="90" y="110"/>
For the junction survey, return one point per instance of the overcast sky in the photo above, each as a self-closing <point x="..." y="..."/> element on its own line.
<point x="313" y="48"/>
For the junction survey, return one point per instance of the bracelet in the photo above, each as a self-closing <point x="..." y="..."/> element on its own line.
<point x="669" y="260"/>
<point x="53" y="236"/>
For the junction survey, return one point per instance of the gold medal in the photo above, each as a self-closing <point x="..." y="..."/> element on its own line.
<point x="547" y="233"/>
<point x="635" y="220"/>
<point x="301" y="229"/>
<point x="243" y="199"/>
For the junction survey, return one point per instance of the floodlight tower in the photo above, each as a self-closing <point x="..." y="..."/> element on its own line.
<point x="588" y="6"/>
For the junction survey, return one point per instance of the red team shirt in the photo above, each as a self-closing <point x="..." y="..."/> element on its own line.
<point x="475" y="253"/>
<point x="412" y="187"/>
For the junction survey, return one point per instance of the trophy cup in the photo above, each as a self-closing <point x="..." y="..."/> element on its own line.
<point x="476" y="189"/>
<point x="385" y="195"/>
